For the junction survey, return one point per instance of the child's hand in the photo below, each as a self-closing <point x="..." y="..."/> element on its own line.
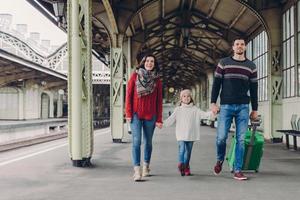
<point x="213" y="116"/>
<point x="158" y="125"/>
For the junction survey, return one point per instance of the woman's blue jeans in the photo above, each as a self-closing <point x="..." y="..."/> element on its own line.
<point x="148" y="126"/>
<point x="185" y="151"/>
<point x="240" y="112"/>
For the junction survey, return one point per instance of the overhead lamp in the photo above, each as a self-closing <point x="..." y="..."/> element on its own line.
<point x="59" y="7"/>
<point x="61" y="91"/>
<point x="43" y="83"/>
<point x="186" y="26"/>
<point x="185" y="31"/>
<point x="171" y="90"/>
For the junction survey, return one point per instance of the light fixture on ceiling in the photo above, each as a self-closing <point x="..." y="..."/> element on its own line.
<point x="186" y="27"/>
<point x="171" y="90"/>
<point x="43" y="83"/>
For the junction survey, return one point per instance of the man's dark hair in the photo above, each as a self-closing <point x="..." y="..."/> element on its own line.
<point x="237" y="38"/>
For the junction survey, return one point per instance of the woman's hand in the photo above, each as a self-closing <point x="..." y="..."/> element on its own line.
<point x="128" y="120"/>
<point x="158" y="125"/>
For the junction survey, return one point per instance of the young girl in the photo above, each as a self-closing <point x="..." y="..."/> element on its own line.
<point x="187" y="118"/>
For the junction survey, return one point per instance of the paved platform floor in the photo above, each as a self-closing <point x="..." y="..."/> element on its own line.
<point x="44" y="171"/>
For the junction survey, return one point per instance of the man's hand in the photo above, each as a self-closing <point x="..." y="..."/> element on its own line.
<point x="158" y="125"/>
<point x="128" y="120"/>
<point x="253" y="115"/>
<point x="214" y="108"/>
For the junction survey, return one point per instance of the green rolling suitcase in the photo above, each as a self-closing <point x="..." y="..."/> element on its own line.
<point x="254" y="144"/>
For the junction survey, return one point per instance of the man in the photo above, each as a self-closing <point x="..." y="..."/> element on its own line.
<point x="236" y="76"/>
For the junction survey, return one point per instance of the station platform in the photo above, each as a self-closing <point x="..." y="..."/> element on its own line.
<point x="18" y="133"/>
<point x="44" y="171"/>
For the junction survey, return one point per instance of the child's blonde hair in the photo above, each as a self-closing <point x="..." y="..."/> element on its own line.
<point x="188" y="92"/>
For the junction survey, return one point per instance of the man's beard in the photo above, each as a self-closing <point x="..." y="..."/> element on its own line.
<point x="240" y="53"/>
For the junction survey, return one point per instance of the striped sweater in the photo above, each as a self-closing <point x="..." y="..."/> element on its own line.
<point x="237" y="81"/>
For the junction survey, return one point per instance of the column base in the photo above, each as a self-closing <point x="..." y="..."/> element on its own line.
<point x="85" y="162"/>
<point x="276" y="140"/>
<point x="117" y="140"/>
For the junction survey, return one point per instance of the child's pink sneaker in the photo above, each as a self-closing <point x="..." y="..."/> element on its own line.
<point x="187" y="171"/>
<point x="181" y="169"/>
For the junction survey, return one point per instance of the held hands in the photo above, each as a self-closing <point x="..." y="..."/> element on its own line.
<point x="158" y="125"/>
<point x="214" y="108"/>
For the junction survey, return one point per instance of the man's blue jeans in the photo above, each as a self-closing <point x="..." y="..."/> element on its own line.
<point x="148" y="126"/>
<point x="240" y="112"/>
<point x="185" y="151"/>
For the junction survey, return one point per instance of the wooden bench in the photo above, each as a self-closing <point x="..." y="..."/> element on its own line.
<point x="295" y="132"/>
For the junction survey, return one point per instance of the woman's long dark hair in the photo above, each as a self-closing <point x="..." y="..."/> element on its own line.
<point x="142" y="63"/>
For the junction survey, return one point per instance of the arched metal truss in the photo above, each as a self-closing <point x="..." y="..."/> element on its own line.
<point x="54" y="61"/>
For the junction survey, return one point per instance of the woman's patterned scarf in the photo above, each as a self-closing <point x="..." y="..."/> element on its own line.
<point x="145" y="82"/>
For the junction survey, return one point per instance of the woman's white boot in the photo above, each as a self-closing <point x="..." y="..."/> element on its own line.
<point x="146" y="170"/>
<point x="137" y="176"/>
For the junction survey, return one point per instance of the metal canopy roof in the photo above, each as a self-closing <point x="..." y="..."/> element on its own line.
<point x="15" y="70"/>
<point x="212" y="25"/>
<point x="157" y="26"/>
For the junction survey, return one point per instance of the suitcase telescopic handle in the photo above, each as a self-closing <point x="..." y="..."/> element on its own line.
<point x="255" y="122"/>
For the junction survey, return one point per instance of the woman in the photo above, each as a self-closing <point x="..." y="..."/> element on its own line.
<point x="144" y="111"/>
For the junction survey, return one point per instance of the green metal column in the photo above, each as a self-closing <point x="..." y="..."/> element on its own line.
<point x="80" y="131"/>
<point x="197" y="89"/>
<point x="116" y="76"/>
<point x="193" y="93"/>
<point x="273" y="19"/>
<point x="128" y="71"/>
<point x="116" y="94"/>
<point x="203" y="94"/>
<point x="210" y="79"/>
<point x="129" y="65"/>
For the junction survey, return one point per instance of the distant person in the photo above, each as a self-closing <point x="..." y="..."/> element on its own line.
<point x="235" y="76"/>
<point x="144" y="111"/>
<point x="187" y="117"/>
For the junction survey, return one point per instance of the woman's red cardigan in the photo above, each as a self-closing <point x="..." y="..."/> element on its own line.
<point x="146" y="106"/>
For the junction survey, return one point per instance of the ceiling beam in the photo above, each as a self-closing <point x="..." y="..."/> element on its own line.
<point x="192" y="4"/>
<point x="55" y="84"/>
<point x="15" y="77"/>
<point x="142" y="21"/>
<point x="111" y="16"/>
<point x="162" y="5"/>
<point x="7" y="67"/>
<point x="212" y="8"/>
<point x="240" y="13"/>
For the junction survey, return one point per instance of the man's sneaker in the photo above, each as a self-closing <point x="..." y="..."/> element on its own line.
<point x="187" y="170"/>
<point x="218" y="167"/>
<point x="181" y="169"/>
<point x="239" y="176"/>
